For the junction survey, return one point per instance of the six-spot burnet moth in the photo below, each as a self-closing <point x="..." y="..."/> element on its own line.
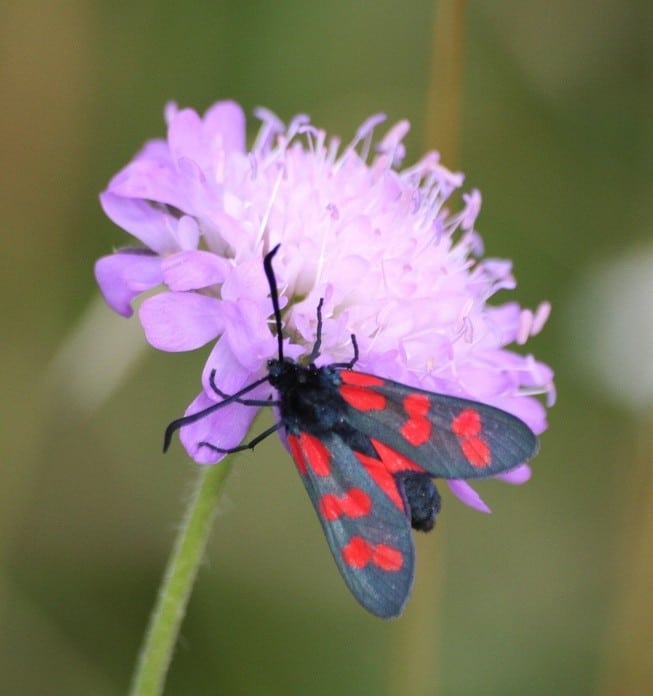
<point x="367" y="450"/>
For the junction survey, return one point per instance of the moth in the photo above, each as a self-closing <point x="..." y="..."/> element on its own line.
<point x="367" y="450"/>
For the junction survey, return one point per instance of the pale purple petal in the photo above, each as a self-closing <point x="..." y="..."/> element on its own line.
<point x="149" y="180"/>
<point x="124" y="275"/>
<point x="179" y="321"/>
<point x="464" y="492"/>
<point x="246" y="280"/>
<point x="170" y="110"/>
<point x="201" y="193"/>
<point x="185" y="136"/>
<point x="482" y="382"/>
<point x="225" y="125"/>
<point x="527" y="409"/>
<point x="536" y="373"/>
<point x="187" y="233"/>
<point x="156" y="149"/>
<point x="151" y="225"/>
<point x="230" y="375"/>
<point x="193" y="270"/>
<point x="225" y="428"/>
<point x="210" y="139"/>
<point x="227" y="230"/>
<point x="498" y="274"/>
<point x="517" y="476"/>
<point x="246" y="325"/>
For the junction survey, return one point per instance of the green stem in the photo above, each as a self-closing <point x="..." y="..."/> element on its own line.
<point x="165" y="621"/>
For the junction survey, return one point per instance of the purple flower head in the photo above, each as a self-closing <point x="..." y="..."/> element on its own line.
<point x="395" y="266"/>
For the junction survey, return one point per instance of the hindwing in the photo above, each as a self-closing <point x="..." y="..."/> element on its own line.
<point x="369" y="535"/>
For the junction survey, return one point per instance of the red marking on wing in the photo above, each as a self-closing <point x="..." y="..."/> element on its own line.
<point x="393" y="461"/>
<point x="477" y="452"/>
<point x="307" y="450"/>
<point x="316" y="454"/>
<point x="417" y="429"/>
<point x="354" y="503"/>
<point x="467" y="426"/>
<point x="362" y="398"/>
<point x="467" y="423"/>
<point x="382" y="470"/>
<point x="382" y="478"/>
<point x="359" y="379"/>
<point x="359" y="552"/>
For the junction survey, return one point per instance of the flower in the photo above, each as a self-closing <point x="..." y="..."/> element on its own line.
<point x="395" y="266"/>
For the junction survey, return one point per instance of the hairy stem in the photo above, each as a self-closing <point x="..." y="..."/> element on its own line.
<point x="174" y="593"/>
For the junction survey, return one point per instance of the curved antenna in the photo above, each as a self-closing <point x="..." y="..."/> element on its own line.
<point x="193" y="417"/>
<point x="274" y="294"/>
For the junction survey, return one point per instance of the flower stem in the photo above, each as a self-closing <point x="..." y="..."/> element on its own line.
<point x="165" y="621"/>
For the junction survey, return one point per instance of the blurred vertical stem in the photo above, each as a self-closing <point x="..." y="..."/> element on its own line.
<point x="444" y="99"/>
<point x="628" y="649"/>
<point x="174" y="593"/>
<point x="415" y="664"/>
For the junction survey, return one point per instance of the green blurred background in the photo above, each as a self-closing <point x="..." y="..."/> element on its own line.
<point x="550" y="594"/>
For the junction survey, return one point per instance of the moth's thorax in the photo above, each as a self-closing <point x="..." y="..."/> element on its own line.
<point x="308" y="395"/>
<point x="288" y="374"/>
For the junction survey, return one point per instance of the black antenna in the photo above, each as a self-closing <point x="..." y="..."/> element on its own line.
<point x="274" y="294"/>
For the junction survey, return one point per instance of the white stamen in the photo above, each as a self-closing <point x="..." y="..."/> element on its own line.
<point x="541" y="315"/>
<point x="525" y="326"/>
<point x="268" y="209"/>
<point x="271" y="124"/>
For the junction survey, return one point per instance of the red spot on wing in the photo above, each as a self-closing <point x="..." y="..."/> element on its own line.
<point x="358" y="553"/>
<point x="476" y="451"/>
<point x="362" y="398"/>
<point x="316" y="454"/>
<point x="417" y="404"/>
<point x="382" y="470"/>
<point x="360" y="379"/>
<point x="307" y="450"/>
<point x="393" y="461"/>
<point x="468" y="427"/>
<point x="354" y="503"/>
<point x="467" y="423"/>
<point x="417" y="429"/>
<point x="387" y="557"/>
<point x="382" y="478"/>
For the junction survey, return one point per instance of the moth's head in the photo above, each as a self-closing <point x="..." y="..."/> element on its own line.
<point x="281" y="370"/>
